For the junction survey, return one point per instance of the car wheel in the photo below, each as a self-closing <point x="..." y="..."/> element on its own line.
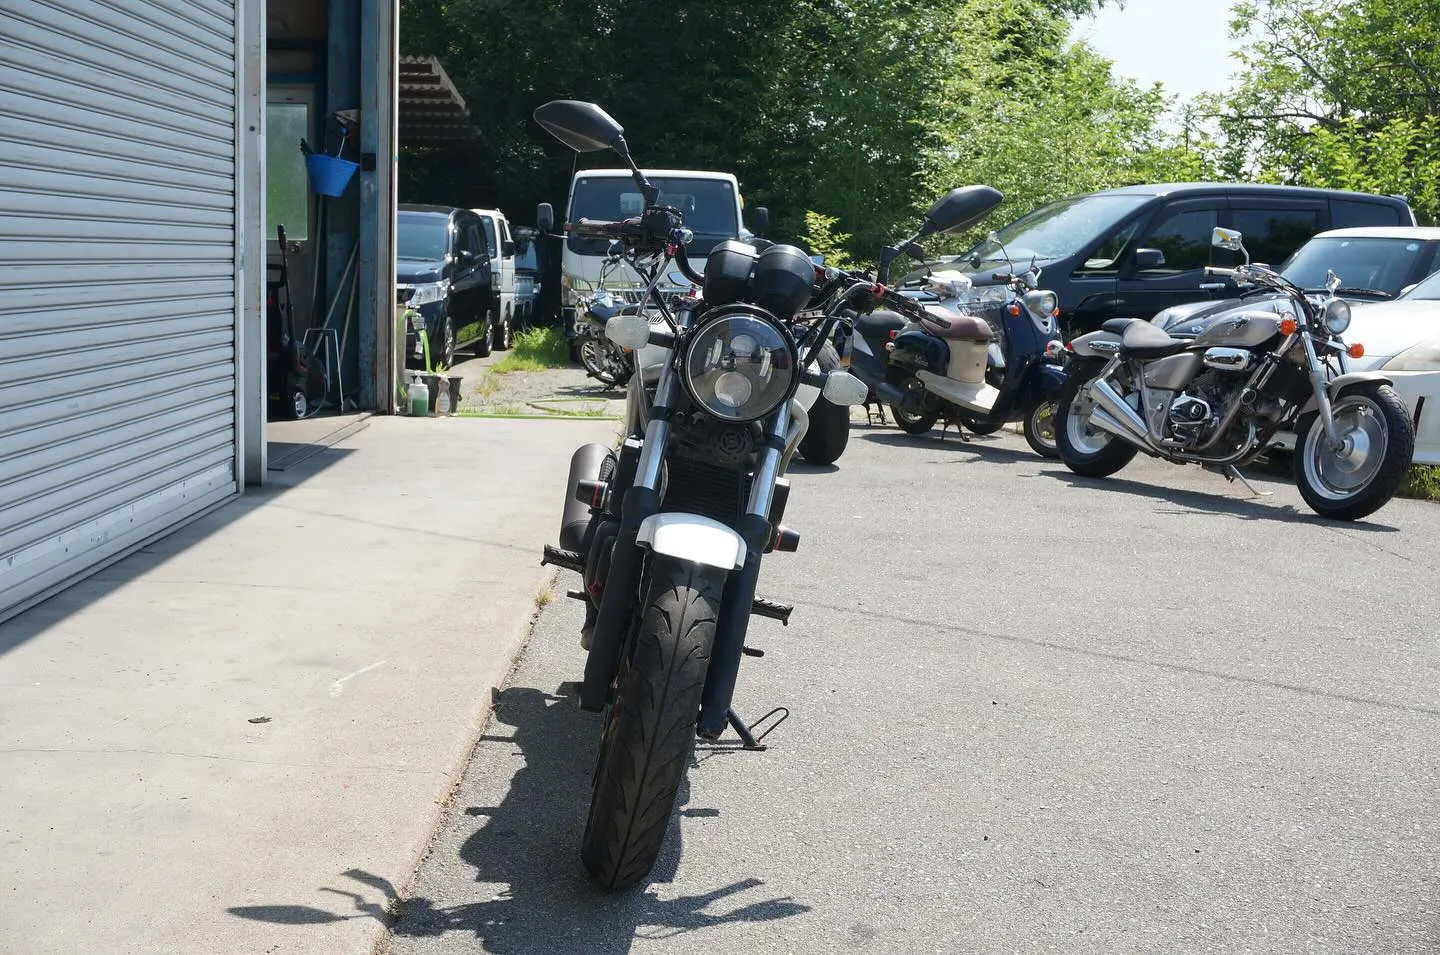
<point x="442" y="350"/>
<point x="501" y="335"/>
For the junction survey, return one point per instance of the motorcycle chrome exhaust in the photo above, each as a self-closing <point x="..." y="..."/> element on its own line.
<point x="1112" y="414"/>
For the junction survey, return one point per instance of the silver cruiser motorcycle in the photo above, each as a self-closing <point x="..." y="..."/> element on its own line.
<point x="668" y="530"/>
<point x="1217" y="399"/>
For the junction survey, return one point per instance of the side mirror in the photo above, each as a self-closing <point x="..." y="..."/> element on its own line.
<point x="507" y="248"/>
<point x="465" y="257"/>
<point x="842" y="388"/>
<point x="761" y="217"/>
<point x="1146" y="259"/>
<point x="629" y="331"/>
<point x="915" y="251"/>
<point x="545" y="217"/>
<point x="1223" y="238"/>
<point x="959" y="209"/>
<point x="584" y="127"/>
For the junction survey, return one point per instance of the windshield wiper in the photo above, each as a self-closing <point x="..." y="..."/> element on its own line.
<point x="1351" y="290"/>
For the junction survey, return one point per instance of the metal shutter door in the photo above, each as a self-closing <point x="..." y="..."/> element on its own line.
<point x="117" y="278"/>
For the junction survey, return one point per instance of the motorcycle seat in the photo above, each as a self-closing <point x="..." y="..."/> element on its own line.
<point x="1143" y="340"/>
<point x="879" y="325"/>
<point x="955" y="327"/>
<point x="1117" y="325"/>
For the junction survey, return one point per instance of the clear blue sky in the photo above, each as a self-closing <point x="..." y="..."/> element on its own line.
<point x="1183" y="44"/>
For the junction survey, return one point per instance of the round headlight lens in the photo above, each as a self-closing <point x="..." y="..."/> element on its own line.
<point x="1337" y="316"/>
<point x="740" y="367"/>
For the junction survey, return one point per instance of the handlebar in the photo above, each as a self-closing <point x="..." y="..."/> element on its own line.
<point x="1211" y="270"/>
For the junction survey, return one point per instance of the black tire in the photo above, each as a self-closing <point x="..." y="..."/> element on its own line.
<point x="828" y="434"/>
<point x="982" y="428"/>
<point x="1098" y="458"/>
<point x="482" y="344"/>
<point x="1340" y="490"/>
<point x="500" y="333"/>
<point x="443" y="351"/>
<point x="650" y="729"/>
<point x="1040" y="429"/>
<point x="912" y="423"/>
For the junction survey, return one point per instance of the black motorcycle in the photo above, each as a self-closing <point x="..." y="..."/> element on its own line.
<point x="669" y="530"/>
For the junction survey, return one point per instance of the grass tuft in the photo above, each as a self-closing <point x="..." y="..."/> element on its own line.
<point x="1422" y="483"/>
<point x="534" y="350"/>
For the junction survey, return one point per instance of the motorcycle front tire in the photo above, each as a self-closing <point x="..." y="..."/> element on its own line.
<point x="1388" y="411"/>
<point x="650" y="728"/>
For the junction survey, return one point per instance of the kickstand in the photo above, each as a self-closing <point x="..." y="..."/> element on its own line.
<point x="877" y="415"/>
<point x="959" y="430"/>
<point x="749" y="742"/>
<point x="1232" y="474"/>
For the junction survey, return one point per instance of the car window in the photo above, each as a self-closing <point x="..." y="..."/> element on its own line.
<point x="1273" y="235"/>
<point x="1429" y="289"/>
<point x="1184" y="239"/>
<point x="1383" y="264"/>
<point x="489" y="225"/>
<point x="1348" y="213"/>
<point x="421" y="236"/>
<point x="1106" y="257"/>
<point x="471" y="239"/>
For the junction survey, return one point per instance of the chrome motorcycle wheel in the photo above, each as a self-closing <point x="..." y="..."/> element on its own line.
<point x="603" y="360"/>
<point x="1365" y="472"/>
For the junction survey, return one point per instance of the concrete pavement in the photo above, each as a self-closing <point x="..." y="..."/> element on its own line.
<point x="196" y="743"/>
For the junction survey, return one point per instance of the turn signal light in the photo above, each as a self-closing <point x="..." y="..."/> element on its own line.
<point x="1356" y="350"/>
<point x="1014" y="309"/>
<point x="1288" y="326"/>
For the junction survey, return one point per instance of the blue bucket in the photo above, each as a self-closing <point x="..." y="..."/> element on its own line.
<point x="329" y="175"/>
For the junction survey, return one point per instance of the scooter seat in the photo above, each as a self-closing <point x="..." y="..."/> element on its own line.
<point x="1143" y="340"/>
<point x="954" y="326"/>
<point x="879" y="325"/>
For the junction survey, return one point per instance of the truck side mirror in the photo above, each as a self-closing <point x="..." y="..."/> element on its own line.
<point x="507" y="248"/>
<point x="545" y="217"/>
<point x="762" y="221"/>
<point x="1146" y="259"/>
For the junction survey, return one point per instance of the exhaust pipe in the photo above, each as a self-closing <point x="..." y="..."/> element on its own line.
<point x="575" y="519"/>
<point x="891" y="395"/>
<point x="1113" y="415"/>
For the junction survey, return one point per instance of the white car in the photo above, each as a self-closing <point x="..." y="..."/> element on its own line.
<point x="1402" y="339"/>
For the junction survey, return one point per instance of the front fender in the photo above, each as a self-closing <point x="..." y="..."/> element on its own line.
<point x="1043" y="383"/>
<point x="1339" y="385"/>
<point x="1101" y="344"/>
<point x="692" y="537"/>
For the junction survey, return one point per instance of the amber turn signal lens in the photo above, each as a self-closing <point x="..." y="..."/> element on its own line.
<point x="1014" y="309"/>
<point x="1356" y="350"/>
<point x="1288" y="326"/>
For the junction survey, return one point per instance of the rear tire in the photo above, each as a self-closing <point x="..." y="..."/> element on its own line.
<point x="1086" y="451"/>
<point x="905" y="420"/>
<point x="650" y="729"/>
<point x="1349" y="489"/>
<point x="828" y="434"/>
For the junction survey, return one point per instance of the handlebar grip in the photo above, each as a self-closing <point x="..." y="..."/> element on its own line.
<point x="599" y="228"/>
<point x="1215" y="270"/>
<point x="1003" y="277"/>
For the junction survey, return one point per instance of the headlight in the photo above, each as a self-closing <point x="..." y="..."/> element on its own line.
<point x="1042" y="303"/>
<point x="740" y="367"/>
<point x="1422" y="357"/>
<point x="425" y="294"/>
<point x="1337" y="316"/>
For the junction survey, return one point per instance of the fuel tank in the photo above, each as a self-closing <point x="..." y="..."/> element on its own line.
<point x="1245" y="330"/>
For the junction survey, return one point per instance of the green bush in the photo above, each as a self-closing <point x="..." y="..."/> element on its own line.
<point x="535" y="349"/>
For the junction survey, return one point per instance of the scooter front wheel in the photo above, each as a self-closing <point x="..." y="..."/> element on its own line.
<point x="1040" y="429"/>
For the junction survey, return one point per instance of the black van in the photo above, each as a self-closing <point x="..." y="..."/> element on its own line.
<point x="442" y="270"/>
<point x="1130" y="252"/>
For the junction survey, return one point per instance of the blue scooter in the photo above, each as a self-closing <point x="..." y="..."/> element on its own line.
<point x="991" y="356"/>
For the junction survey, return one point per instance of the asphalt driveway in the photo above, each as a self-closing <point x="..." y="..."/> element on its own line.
<point x="1028" y="712"/>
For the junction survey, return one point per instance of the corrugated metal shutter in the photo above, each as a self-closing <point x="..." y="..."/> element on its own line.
<point x="117" y="278"/>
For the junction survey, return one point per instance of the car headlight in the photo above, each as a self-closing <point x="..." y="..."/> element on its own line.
<point x="1422" y="357"/>
<point x="425" y="294"/>
<point x="1337" y="316"/>
<point x="740" y="367"/>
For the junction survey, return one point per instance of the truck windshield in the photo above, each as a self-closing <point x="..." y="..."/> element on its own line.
<point x="708" y="206"/>
<point x="1056" y="231"/>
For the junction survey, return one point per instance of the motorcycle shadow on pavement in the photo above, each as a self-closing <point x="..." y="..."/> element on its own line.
<point x="985" y="446"/>
<point x="535" y="897"/>
<point x="1223" y="501"/>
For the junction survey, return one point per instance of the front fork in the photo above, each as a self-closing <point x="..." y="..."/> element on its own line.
<point x="622" y="581"/>
<point x="1322" y="393"/>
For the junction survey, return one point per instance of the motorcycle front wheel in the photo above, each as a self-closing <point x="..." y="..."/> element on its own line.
<point x="1362" y="477"/>
<point x="650" y="729"/>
